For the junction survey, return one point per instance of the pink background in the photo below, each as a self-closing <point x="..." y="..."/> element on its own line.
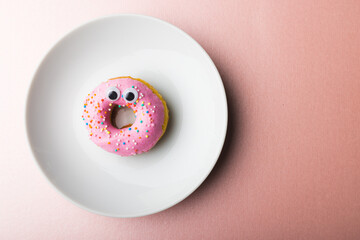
<point x="290" y="168"/>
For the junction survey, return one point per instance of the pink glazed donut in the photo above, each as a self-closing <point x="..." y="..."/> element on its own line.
<point x="151" y="116"/>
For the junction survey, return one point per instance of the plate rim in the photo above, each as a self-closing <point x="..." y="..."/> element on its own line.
<point x="31" y="85"/>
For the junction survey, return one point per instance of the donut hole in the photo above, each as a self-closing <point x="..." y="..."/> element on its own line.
<point x="122" y="117"/>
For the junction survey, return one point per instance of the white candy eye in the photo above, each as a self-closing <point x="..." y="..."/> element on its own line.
<point x="113" y="93"/>
<point x="130" y="95"/>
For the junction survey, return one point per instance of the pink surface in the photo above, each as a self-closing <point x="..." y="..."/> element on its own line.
<point x="149" y="113"/>
<point x="290" y="168"/>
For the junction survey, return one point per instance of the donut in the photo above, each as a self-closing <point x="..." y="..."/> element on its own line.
<point x="149" y="107"/>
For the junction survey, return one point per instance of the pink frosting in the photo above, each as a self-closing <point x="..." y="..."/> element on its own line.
<point x="141" y="136"/>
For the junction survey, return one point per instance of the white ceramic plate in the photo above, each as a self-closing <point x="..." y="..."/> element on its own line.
<point x="141" y="47"/>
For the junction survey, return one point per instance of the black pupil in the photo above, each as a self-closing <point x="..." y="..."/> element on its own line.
<point x="129" y="96"/>
<point x="113" y="95"/>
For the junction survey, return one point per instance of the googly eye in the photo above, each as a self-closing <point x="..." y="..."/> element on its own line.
<point x="130" y="95"/>
<point x="113" y="93"/>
